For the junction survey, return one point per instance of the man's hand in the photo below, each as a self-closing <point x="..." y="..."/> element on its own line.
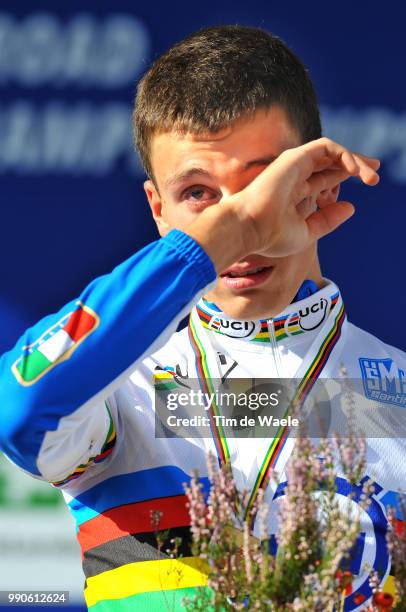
<point x="266" y="217"/>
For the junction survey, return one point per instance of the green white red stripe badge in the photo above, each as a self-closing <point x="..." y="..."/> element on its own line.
<point x="57" y="344"/>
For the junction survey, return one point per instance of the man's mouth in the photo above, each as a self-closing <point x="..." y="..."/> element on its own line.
<point x="254" y="271"/>
<point x="238" y="279"/>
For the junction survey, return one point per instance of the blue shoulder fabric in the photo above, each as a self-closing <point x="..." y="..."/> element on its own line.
<point x="306" y="289"/>
<point x="67" y="358"/>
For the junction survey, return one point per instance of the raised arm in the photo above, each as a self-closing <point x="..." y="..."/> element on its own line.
<point x="80" y="355"/>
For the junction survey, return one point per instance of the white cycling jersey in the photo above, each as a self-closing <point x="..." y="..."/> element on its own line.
<point x="104" y="449"/>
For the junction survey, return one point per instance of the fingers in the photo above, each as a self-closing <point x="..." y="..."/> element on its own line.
<point x="368" y="167"/>
<point x="326" y="153"/>
<point x="321" y="181"/>
<point x="309" y="169"/>
<point x="373" y="162"/>
<point x="328" y="179"/>
<point x="326" y="220"/>
<point x="349" y="162"/>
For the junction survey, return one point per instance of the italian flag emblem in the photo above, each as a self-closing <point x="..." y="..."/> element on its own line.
<point x="55" y="345"/>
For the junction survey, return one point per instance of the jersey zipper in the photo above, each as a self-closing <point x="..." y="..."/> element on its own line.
<point x="275" y="349"/>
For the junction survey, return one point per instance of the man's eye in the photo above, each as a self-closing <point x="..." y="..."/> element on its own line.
<point x="198" y="194"/>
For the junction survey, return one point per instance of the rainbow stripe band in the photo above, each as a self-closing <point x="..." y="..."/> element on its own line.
<point x="106" y="450"/>
<point x="302" y="392"/>
<point x="163" y="379"/>
<point x="206" y="384"/>
<point x="284" y="326"/>
<point x="168" y="599"/>
<point x="305" y="386"/>
<point x="144" y="577"/>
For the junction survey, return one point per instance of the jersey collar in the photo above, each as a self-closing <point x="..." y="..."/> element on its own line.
<point x="303" y="316"/>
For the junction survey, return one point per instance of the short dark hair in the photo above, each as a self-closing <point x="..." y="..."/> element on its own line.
<point x="216" y="75"/>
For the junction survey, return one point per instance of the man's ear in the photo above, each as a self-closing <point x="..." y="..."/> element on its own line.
<point x="155" y="203"/>
<point x="328" y="196"/>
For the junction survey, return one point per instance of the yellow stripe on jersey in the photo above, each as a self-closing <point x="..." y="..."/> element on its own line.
<point x="146" y="576"/>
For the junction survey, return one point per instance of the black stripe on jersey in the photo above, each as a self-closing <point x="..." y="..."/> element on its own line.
<point x="134" y="547"/>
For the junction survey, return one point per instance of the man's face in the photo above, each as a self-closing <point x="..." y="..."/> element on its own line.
<point x="194" y="171"/>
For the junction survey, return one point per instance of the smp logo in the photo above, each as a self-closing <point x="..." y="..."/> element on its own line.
<point x="237" y="329"/>
<point x="383" y="381"/>
<point x="314" y="315"/>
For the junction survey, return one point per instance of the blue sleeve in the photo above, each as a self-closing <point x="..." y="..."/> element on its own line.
<point x="79" y="353"/>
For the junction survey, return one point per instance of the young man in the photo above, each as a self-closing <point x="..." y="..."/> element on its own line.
<point x="221" y="122"/>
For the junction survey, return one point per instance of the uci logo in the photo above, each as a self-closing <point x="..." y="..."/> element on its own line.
<point x="313" y="316"/>
<point x="237" y="329"/>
